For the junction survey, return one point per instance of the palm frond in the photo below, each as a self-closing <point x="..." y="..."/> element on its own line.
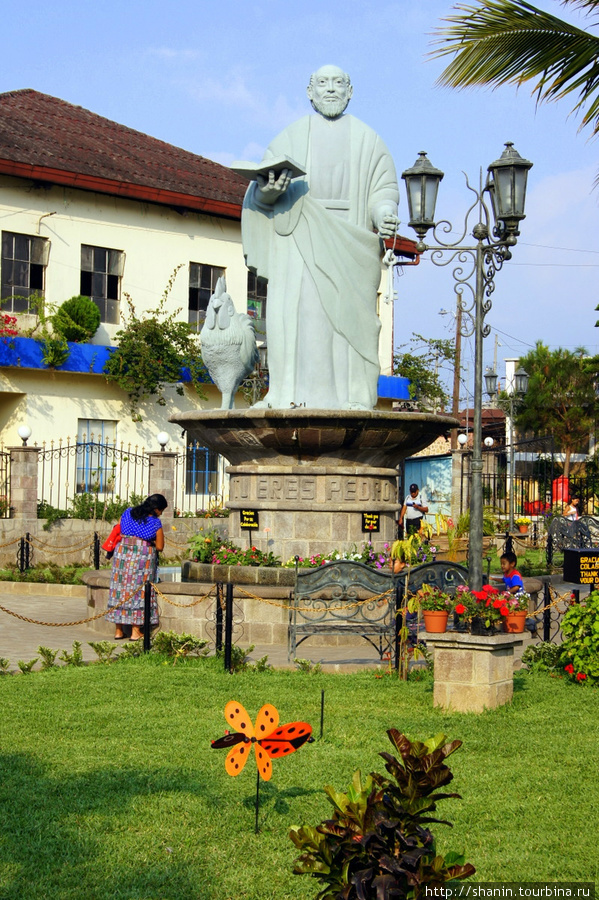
<point x="511" y="42"/>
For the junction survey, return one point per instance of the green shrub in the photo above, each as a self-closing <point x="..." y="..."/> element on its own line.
<point x="72" y="659"/>
<point x="580" y="649"/>
<point x="376" y="845"/>
<point x="543" y="657"/>
<point x="48" y="656"/>
<point x="179" y="645"/>
<point x="77" y="319"/>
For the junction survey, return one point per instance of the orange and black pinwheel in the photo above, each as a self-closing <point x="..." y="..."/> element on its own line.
<point x="270" y="741"/>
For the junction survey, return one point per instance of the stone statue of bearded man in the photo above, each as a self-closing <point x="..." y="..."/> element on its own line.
<point x="313" y="237"/>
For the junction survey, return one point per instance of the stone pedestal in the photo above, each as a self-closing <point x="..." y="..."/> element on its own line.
<point x="473" y="673"/>
<point x="23" y="482"/>
<point x="162" y="479"/>
<point x="307" y="510"/>
<point x="310" y="475"/>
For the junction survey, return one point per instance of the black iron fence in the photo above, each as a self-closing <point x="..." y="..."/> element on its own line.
<point x="539" y="487"/>
<point x="199" y="479"/>
<point x="72" y="475"/>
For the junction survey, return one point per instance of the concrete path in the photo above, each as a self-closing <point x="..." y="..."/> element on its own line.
<point x="66" y="603"/>
<point x="19" y="640"/>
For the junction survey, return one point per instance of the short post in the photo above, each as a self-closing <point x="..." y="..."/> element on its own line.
<point x="21" y="555"/>
<point x="546" y="613"/>
<point x="96" y="550"/>
<point x="218" y="642"/>
<point x="147" y="615"/>
<point x="398" y="624"/>
<point x="27" y="552"/>
<point x="549" y="551"/>
<point x="228" y="626"/>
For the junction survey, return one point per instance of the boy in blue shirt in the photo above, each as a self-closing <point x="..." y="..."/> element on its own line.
<point x="511" y="576"/>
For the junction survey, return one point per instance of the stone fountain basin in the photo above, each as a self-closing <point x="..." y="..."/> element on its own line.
<point x="333" y="437"/>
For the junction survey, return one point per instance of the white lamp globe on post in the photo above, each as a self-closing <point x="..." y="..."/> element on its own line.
<point x="163" y="439"/>
<point x="24" y="432"/>
<point x="462" y="440"/>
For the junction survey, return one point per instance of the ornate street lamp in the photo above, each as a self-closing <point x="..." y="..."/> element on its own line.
<point x="475" y="268"/>
<point x="422" y="184"/>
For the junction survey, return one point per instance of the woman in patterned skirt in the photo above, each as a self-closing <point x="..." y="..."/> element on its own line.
<point x="135" y="561"/>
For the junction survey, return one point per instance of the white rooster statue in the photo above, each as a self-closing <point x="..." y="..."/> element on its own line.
<point x="228" y="344"/>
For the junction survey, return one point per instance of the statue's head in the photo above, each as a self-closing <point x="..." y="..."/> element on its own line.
<point x="330" y="91"/>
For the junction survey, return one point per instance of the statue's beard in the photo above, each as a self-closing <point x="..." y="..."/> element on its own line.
<point x="330" y="108"/>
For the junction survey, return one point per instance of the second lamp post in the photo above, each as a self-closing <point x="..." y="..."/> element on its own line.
<point x="475" y="269"/>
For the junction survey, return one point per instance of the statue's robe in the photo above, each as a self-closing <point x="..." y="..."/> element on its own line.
<point x="317" y="248"/>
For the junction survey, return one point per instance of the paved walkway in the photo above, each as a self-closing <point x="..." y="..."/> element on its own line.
<point x="63" y="603"/>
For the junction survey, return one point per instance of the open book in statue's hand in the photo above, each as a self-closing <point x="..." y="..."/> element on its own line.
<point x="250" y="170"/>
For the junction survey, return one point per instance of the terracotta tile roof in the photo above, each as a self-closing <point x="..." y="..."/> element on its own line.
<point x="45" y="138"/>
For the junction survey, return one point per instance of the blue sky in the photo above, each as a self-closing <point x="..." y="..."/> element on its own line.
<point x="222" y="78"/>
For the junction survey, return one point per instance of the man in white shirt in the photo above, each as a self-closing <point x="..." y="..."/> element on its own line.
<point x="412" y="511"/>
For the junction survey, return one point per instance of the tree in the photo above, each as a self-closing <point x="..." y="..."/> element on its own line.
<point x="421" y="365"/>
<point x="151" y="353"/>
<point x="499" y="42"/>
<point x="561" y="399"/>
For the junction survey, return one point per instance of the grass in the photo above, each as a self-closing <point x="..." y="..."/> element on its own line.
<point x="109" y="787"/>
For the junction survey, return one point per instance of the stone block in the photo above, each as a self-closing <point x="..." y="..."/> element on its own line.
<point x="454" y="665"/>
<point x="308" y="524"/>
<point x="259" y="634"/>
<point x="340" y="526"/>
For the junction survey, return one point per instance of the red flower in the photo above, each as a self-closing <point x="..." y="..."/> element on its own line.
<point x="581" y="676"/>
<point x="489" y="589"/>
<point x="498" y="603"/>
<point x="504" y="611"/>
<point x="460" y="608"/>
<point x="569" y="669"/>
<point x="480" y="595"/>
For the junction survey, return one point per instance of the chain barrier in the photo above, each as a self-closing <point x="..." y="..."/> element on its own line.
<point x="311" y="608"/>
<point x="16" y="615"/>
<point x="558" y="599"/>
<point x="67" y="547"/>
<point x="10" y="543"/>
<point x="183" y="605"/>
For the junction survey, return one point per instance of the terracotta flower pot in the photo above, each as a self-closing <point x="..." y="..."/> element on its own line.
<point x="435" y="622"/>
<point x="515" y="622"/>
<point x="523" y="529"/>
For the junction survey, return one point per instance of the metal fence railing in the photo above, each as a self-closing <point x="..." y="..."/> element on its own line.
<point x="70" y="472"/>
<point x="200" y="479"/>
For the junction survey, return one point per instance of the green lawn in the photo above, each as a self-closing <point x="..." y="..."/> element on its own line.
<point x="109" y="787"/>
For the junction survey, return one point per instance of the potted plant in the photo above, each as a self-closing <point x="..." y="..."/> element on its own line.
<point x="435" y="605"/>
<point x="523" y="522"/>
<point x="479" y="610"/>
<point x="514" y="612"/>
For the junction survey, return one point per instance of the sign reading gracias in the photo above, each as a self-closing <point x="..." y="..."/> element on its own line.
<point x="581" y="566"/>
<point x="249" y="519"/>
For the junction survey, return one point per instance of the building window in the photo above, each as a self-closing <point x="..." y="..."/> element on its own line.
<point x="101" y="273"/>
<point x="23" y="267"/>
<point x="202" y="282"/>
<point x="96" y="438"/>
<point x="201" y="470"/>
<point x="257" y="289"/>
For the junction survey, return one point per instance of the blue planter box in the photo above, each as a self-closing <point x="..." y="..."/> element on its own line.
<point x="394" y="387"/>
<point x="26" y="353"/>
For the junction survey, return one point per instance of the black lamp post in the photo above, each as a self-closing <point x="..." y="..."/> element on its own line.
<point x="506" y="186"/>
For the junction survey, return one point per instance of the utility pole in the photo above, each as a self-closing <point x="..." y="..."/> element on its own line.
<point x="455" y="407"/>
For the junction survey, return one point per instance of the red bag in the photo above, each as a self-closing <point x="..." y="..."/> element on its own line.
<point x="112" y="539"/>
